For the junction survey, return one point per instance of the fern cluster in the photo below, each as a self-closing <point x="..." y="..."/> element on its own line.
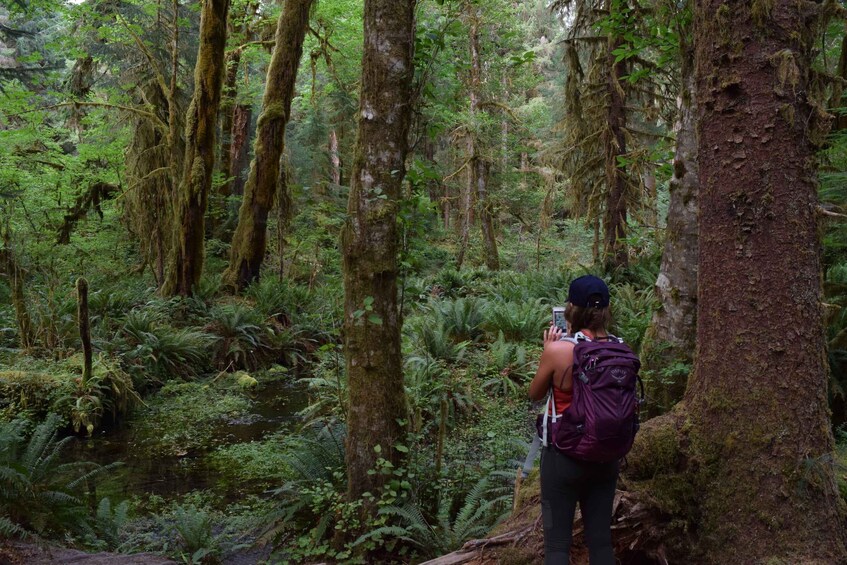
<point x="39" y="494"/>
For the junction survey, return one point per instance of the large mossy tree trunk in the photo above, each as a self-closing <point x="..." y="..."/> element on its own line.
<point x="150" y="168"/>
<point x="759" y="438"/>
<point x="250" y="239"/>
<point x="185" y="263"/>
<point x="673" y="329"/>
<point x="372" y="318"/>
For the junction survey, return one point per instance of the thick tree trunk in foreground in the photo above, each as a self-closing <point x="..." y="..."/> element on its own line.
<point x="673" y="330"/>
<point x="369" y="246"/>
<point x="185" y="264"/>
<point x="250" y="239"/>
<point x="760" y="437"/>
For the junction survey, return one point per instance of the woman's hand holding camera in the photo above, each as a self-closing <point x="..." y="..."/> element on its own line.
<point x="552" y="334"/>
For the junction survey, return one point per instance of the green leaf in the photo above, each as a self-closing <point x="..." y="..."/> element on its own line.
<point x="375" y="320"/>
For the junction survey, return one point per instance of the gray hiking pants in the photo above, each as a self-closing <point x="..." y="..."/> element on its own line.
<point x="564" y="482"/>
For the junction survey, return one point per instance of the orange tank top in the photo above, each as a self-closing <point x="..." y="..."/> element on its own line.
<point x="562" y="400"/>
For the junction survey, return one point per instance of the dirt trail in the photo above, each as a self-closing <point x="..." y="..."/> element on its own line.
<point x="20" y="553"/>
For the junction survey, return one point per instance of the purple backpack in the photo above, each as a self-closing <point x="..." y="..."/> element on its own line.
<point x="602" y="420"/>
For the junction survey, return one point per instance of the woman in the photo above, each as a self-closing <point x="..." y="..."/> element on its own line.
<point x="565" y="480"/>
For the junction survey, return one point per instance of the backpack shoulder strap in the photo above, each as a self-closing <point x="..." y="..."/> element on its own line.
<point x="579" y="337"/>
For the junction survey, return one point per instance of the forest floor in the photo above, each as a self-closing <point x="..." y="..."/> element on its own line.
<point x="21" y="553"/>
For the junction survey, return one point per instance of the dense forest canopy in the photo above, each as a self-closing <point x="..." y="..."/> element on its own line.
<point x="274" y="274"/>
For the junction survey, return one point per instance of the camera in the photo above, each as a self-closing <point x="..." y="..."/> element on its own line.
<point x="559" y="318"/>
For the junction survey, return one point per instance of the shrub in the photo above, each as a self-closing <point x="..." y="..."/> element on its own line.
<point x="193" y="527"/>
<point x="517" y="321"/>
<point x="431" y="336"/>
<point x="632" y="309"/>
<point x="159" y="352"/>
<point x="509" y="363"/>
<point x="483" y="506"/>
<point x="461" y="318"/>
<point x="38" y="493"/>
<point x="244" y="340"/>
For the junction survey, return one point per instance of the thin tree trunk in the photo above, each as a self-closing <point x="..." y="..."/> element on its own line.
<point x="283" y="214"/>
<point x="232" y="120"/>
<point x="185" y="265"/>
<point x="649" y="180"/>
<point x="760" y="435"/>
<point x="334" y="157"/>
<point x="614" y="222"/>
<point x="250" y="239"/>
<point x="84" y="324"/>
<point x="465" y="216"/>
<point x="377" y="416"/>
<point x="239" y="151"/>
<point x="16" y="284"/>
<point x="230" y="92"/>
<point x="479" y="167"/>
<point x="489" y="236"/>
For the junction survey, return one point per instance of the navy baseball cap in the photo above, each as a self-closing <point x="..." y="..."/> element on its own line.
<point x="588" y="291"/>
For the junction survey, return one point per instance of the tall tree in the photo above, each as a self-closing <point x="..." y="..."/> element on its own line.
<point x="602" y="104"/>
<point x="372" y="319"/>
<point x="250" y="239"/>
<point x="760" y="438"/>
<point x="185" y="264"/>
<point x="673" y="328"/>
<point x="479" y="167"/>
<point x="614" y="143"/>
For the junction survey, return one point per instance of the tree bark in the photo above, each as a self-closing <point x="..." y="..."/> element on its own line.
<point x="185" y="265"/>
<point x="377" y="415"/>
<point x="228" y="105"/>
<point x="232" y="121"/>
<point x="673" y="329"/>
<point x="479" y="167"/>
<point x="250" y="239"/>
<point x="334" y="157"/>
<point x="84" y="323"/>
<point x="760" y="440"/>
<point x="16" y="284"/>
<point x="614" y="141"/>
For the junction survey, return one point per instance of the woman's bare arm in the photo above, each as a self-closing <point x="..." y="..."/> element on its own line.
<point x="554" y="362"/>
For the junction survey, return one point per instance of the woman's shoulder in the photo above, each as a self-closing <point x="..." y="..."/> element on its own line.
<point x="559" y="347"/>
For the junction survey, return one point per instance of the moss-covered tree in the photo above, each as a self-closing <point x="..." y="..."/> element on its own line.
<point x="752" y="444"/>
<point x="369" y="245"/>
<point x="479" y="167"/>
<point x="185" y="263"/>
<point x="250" y="239"/>
<point x="15" y="277"/>
<point x="673" y="329"/>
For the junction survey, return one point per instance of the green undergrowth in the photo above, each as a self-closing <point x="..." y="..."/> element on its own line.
<point x="186" y="416"/>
